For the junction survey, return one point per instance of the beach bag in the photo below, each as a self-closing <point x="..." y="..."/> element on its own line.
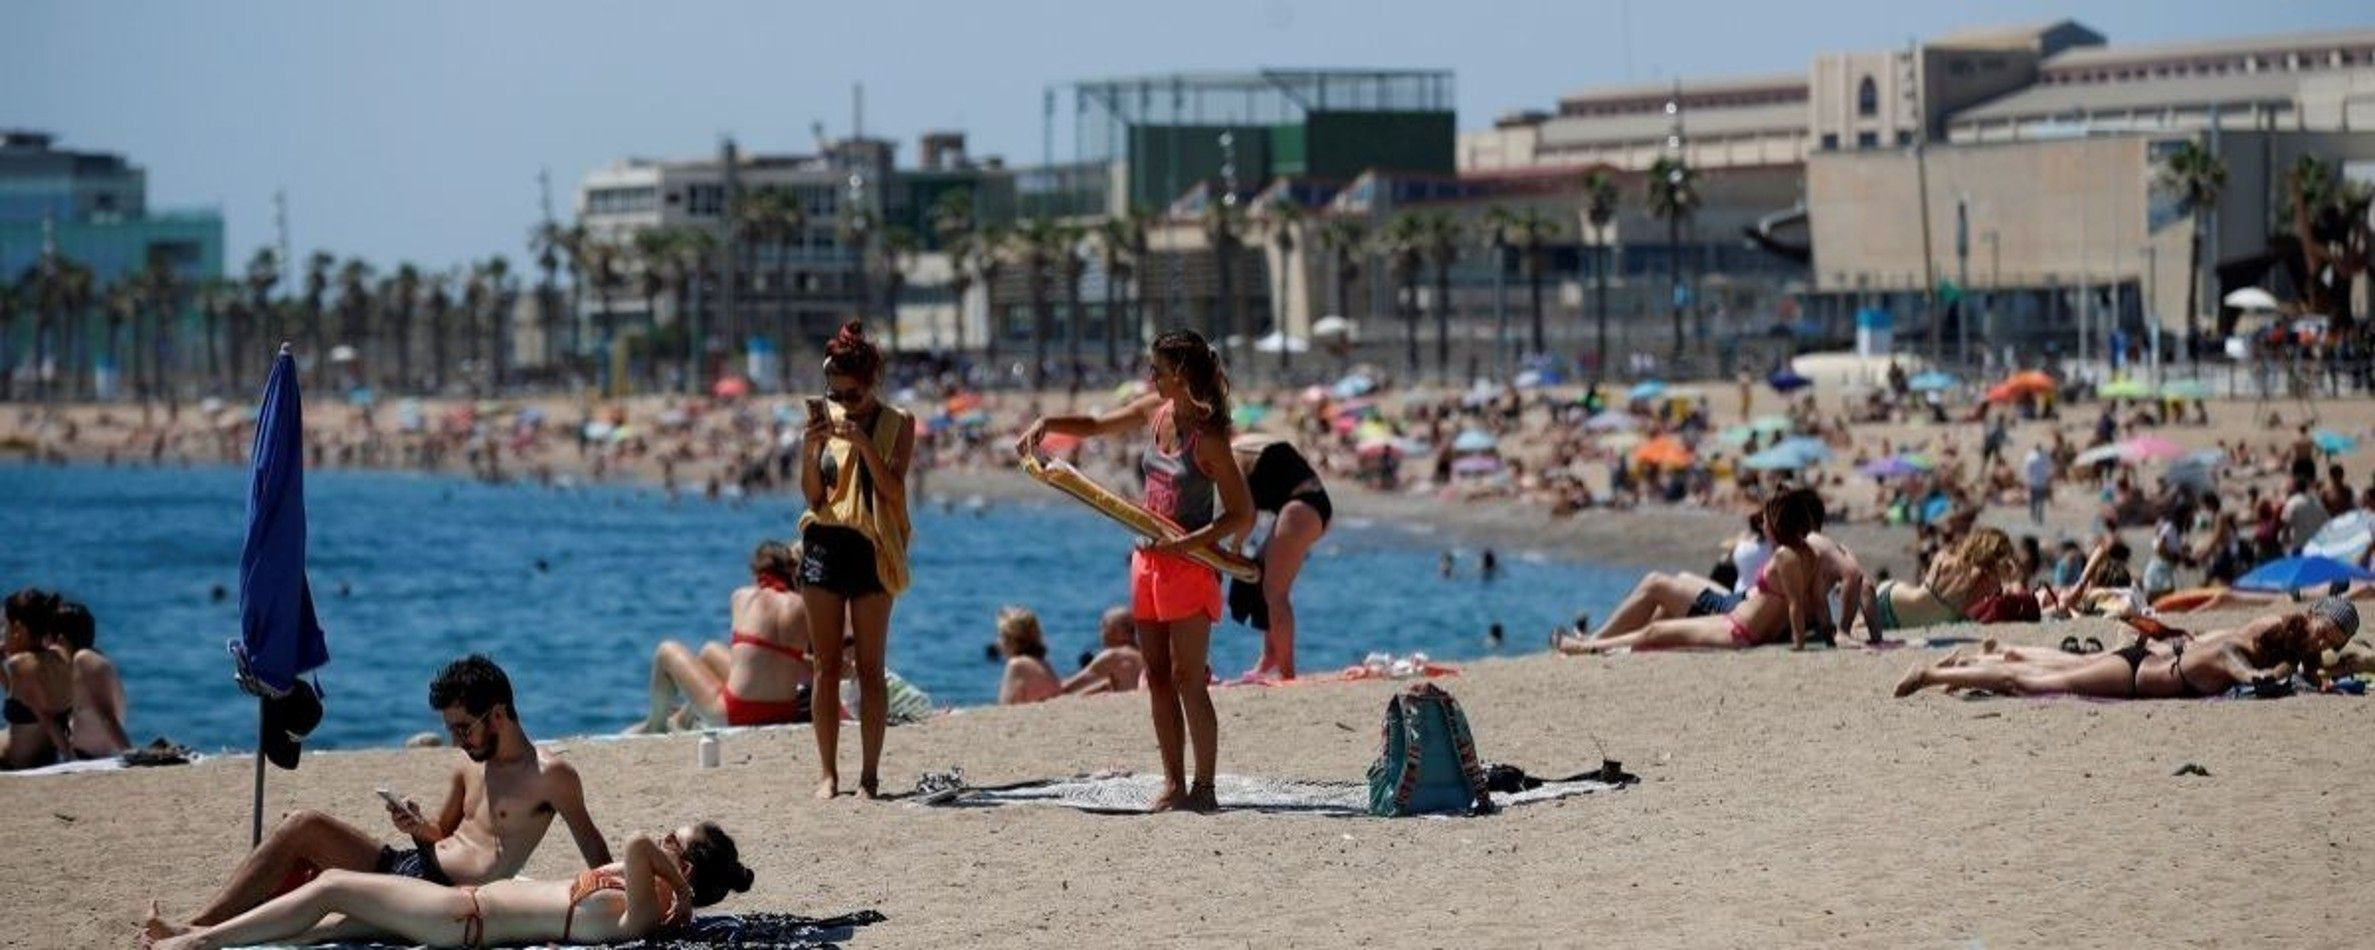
<point x="1426" y="760"/>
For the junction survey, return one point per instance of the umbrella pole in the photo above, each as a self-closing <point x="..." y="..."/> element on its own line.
<point x="255" y="825"/>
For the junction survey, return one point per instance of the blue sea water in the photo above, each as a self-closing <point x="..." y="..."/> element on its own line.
<point x="410" y="571"/>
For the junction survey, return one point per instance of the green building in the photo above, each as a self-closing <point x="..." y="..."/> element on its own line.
<point x="1143" y="141"/>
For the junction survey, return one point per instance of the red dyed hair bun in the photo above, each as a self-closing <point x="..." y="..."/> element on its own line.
<point x="850" y="354"/>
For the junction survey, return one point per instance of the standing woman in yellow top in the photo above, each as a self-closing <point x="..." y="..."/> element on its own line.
<point x="854" y="544"/>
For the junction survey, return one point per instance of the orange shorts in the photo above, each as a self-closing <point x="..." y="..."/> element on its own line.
<point x="1165" y="587"/>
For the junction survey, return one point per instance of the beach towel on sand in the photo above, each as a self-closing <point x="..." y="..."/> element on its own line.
<point x="1124" y="793"/>
<point x="730" y="930"/>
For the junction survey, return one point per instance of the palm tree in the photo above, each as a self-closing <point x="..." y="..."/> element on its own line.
<point x="547" y="241"/>
<point x="1038" y="241"/>
<point x="437" y="303"/>
<point x="354" y="307"/>
<point x="952" y="224"/>
<point x="402" y="297"/>
<point x="500" y="296"/>
<point x="2197" y="177"/>
<point x="1074" y="266"/>
<point x="218" y="304"/>
<point x="317" y="320"/>
<point x="603" y="264"/>
<point x="1222" y="224"/>
<point x="1343" y="237"/>
<point x="1673" y="197"/>
<point x="898" y="248"/>
<point x="1441" y="241"/>
<point x="1115" y="259"/>
<point x="989" y="258"/>
<point x="1403" y="245"/>
<point x="654" y="254"/>
<point x="1530" y="230"/>
<point x="1496" y="233"/>
<point x="263" y="273"/>
<point x="1285" y="220"/>
<point x="1599" y="208"/>
<point x="160" y="291"/>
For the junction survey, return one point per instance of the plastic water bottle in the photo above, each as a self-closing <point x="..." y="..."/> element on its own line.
<point x="709" y="750"/>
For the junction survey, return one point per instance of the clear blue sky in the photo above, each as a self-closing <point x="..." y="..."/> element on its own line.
<point x="414" y="131"/>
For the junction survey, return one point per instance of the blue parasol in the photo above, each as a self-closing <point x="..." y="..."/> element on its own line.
<point x="2333" y="443"/>
<point x="1787" y="381"/>
<point x="280" y="638"/>
<point x="1644" y="391"/>
<point x="2289" y="574"/>
<point x="1930" y="382"/>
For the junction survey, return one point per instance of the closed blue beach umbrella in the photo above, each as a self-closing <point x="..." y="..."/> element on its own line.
<point x="280" y="638"/>
<point x="2286" y="575"/>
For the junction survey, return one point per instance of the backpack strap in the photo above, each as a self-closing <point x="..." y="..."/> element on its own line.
<point x="1406" y="708"/>
<point x="1463" y="741"/>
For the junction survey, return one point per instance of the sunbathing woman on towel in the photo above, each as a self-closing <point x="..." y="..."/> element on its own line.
<point x="2271" y="648"/>
<point x="1956" y="579"/>
<point x="1683" y="594"/>
<point x="1782" y="600"/>
<point x="655" y="888"/>
<point x="761" y="677"/>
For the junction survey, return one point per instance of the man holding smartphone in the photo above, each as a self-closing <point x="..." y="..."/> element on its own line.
<point x="497" y="808"/>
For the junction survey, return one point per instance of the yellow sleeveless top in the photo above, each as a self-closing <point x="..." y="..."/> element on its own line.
<point x="864" y="511"/>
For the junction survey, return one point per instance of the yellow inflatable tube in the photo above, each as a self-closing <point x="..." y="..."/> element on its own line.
<point x="1061" y="476"/>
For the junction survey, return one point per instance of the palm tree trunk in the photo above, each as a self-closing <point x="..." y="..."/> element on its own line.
<point x="1534" y="301"/>
<point x="1073" y="324"/>
<point x="1501" y="311"/>
<point x="1443" y="320"/>
<point x="1113" y="326"/>
<point x="1674" y="279"/>
<point x="1286" y="302"/>
<point x="1600" y="305"/>
<point x="1040" y="319"/>
<point x="1407" y="302"/>
<point x="2193" y="291"/>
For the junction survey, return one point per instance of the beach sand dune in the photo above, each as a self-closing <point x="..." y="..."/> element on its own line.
<point x="1787" y="801"/>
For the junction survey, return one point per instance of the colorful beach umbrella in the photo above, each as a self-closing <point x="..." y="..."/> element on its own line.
<point x="2286" y="575"/>
<point x="1775" y="458"/>
<point x="1772" y="424"/>
<point x="2097" y="456"/>
<point x="1665" y="451"/>
<point x="1931" y="381"/>
<point x="2129" y="388"/>
<point x="1248" y="414"/>
<point x="2150" y="448"/>
<point x="1612" y="421"/>
<point x="2333" y="443"/>
<point x="1475" y="465"/>
<point x="1919" y="460"/>
<point x="1888" y="468"/>
<point x="1474" y="440"/>
<point x="2345" y="537"/>
<point x="2186" y="389"/>
<point x="1645" y="391"/>
<point x="1785" y="380"/>
<point x="1354" y="385"/>
<point x="730" y="387"/>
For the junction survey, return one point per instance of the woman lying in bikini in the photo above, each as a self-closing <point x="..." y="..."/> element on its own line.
<point x="655" y="888"/>
<point x="2271" y="648"/>
<point x="1782" y="601"/>
<point x="759" y="679"/>
<point x="1956" y="579"/>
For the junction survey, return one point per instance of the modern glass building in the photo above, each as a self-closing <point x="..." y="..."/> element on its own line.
<point x="1143" y="141"/>
<point x="94" y="206"/>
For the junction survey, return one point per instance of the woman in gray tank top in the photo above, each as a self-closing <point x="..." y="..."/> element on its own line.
<point x="1173" y="600"/>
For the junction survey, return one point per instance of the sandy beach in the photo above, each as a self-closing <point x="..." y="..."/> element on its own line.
<point x="1786" y="801"/>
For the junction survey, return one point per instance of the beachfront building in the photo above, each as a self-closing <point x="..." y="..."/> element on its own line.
<point x="1195" y="167"/>
<point x="83" y="218"/>
<point x="2006" y="173"/>
<point x="818" y="251"/>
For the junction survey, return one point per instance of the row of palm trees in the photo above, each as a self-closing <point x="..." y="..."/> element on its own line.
<point x="166" y="334"/>
<point x="1054" y="255"/>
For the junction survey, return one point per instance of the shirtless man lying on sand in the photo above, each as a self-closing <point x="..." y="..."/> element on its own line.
<point x="497" y="809"/>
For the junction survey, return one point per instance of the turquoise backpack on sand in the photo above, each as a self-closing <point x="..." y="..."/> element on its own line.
<point x="1426" y="763"/>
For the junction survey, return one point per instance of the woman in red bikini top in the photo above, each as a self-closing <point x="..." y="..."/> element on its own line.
<point x="760" y="678"/>
<point x="650" y="892"/>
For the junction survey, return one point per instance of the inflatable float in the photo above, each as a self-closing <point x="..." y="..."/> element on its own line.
<point x="1060" y="475"/>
